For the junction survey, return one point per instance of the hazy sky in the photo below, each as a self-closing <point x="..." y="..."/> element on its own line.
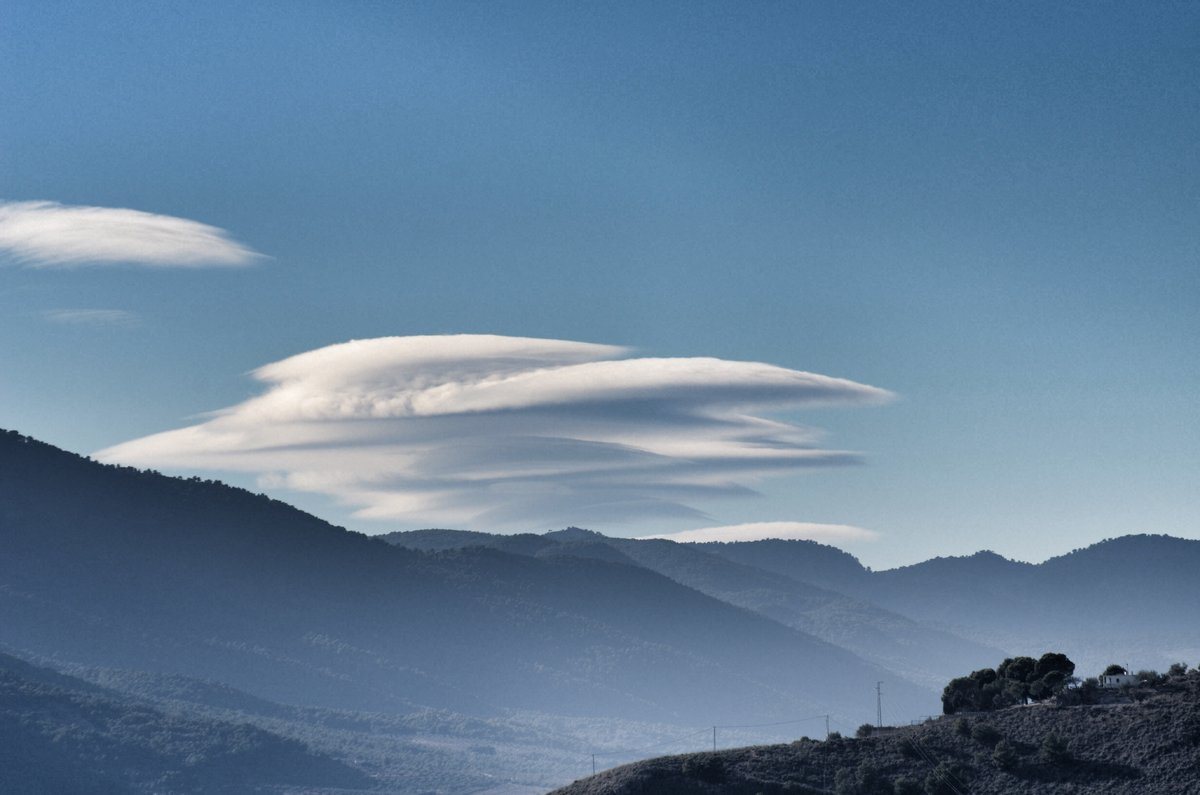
<point x="992" y="212"/>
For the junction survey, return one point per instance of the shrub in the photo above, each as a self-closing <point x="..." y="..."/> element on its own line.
<point x="906" y="786"/>
<point x="1054" y="750"/>
<point x="864" y="731"/>
<point x="707" y="768"/>
<point x="1004" y="756"/>
<point x="962" y="727"/>
<point x="864" y="780"/>
<point x="944" y="780"/>
<point x="985" y="734"/>
<point x="1177" y="669"/>
<point x="1151" y="677"/>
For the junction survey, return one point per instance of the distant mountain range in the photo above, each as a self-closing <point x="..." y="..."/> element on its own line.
<point x="477" y="656"/>
<point x="114" y="567"/>
<point x="919" y="653"/>
<point x="1132" y="600"/>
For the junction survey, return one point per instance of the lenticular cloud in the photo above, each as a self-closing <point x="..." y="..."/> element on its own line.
<point x="46" y="234"/>
<point x="500" y="432"/>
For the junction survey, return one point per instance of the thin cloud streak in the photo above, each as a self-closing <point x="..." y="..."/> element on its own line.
<point x="43" y="234"/>
<point x="506" y="432"/>
<point x="758" y="531"/>
<point x="92" y="317"/>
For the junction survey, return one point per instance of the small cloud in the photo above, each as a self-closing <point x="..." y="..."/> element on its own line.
<point x="49" y="234"/>
<point x="508" y="432"/>
<point x="758" y="531"/>
<point x="92" y="317"/>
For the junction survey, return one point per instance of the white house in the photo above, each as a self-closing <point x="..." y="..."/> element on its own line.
<point x="1118" y="680"/>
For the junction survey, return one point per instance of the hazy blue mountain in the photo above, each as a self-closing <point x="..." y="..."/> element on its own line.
<point x="806" y="561"/>
<point x="59" y="734"/>
<point x="112" y="567"/>
<point x="919" y="653"/>
<point x="1131" y="600"/>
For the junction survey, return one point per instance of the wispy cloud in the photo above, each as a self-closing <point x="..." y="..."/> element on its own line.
<point x="48" y="234"/>
<point x="92" y="317"/>
<point x="499" y="432"/>
<point x="757" y="531"/>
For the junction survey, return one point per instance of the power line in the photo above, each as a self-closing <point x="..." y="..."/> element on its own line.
<point x="947" y="776"/>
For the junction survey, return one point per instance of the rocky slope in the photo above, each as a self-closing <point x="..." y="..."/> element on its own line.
<point x="1150" y="744"/>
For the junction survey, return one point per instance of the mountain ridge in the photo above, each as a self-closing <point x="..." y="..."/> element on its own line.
<point x="114" y="567"/>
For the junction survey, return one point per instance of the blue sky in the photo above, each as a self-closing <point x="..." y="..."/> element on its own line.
<point x="990" y="211"/>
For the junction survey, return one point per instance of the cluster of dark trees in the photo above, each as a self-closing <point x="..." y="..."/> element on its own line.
<point x="1015" y="681"/>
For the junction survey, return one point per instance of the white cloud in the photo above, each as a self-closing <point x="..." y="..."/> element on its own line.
<point x="92" y="317"/>
<point x="757" y="531"/>
<point x="499" y="432"/>
<point x="45" y="234"/>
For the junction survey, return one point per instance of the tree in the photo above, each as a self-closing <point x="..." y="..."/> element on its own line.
<point x="864" y="730"/>
<point x="961" y="694"/>
<point x="1049" y="685"/>
<point x="1114" y="670"/>
<point x="1053" y="661"/>
<point x="1177" y="669"/>
<point x="1017" y="669"/>
<point x="1014" y="681"/>
<point x="984" y="676"/>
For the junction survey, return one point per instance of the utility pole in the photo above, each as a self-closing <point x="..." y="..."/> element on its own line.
<point x="826" y="727"/>
<point x="714" y="739"/>
<point x="593" y="764"/>
<point x="879" y="704"/>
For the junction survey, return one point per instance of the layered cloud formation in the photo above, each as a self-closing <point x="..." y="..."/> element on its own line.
<point x="497" y="432"/>
<point x="45" y="234"/>
<point x="757" y="531"/>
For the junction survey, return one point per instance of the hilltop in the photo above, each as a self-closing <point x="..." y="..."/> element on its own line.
<point x="1150" y="744"/>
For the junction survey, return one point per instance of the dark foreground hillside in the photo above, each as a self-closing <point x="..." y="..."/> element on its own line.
<point x="1147" y="746"/>
<point x="61" y="734"/>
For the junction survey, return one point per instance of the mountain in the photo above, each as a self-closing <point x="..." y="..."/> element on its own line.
<point x="802" y="560"/>
<point x="920" y="653"/>
<point x="113" y="567"/>
<point x="62" y="734"/>
<point x="1129" y="600"/>
<point x="1149" y="745"/>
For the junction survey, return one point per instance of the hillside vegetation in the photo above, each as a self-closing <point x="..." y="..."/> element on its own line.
<point x="61" y="734"/>
<point x="1148" y="743"/>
